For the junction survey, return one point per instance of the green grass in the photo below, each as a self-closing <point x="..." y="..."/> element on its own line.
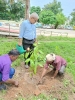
<point x="40" y="97"/>
<point x="65" y="49"/>
<point x="56" y="38"/>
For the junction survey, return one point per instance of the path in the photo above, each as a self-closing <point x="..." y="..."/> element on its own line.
<point x="40" y="31"/>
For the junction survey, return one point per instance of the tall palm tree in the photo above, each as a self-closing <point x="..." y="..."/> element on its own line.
<point x="11" y="1"/>
<point x="27" y="3"/>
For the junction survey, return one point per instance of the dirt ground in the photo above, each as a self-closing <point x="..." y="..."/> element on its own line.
<point x="62" y="87"/>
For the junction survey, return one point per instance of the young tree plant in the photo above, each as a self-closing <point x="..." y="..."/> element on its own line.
<point x="35" y="58"/>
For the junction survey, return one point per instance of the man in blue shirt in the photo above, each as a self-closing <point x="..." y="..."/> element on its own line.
<point x="27" y="34"/>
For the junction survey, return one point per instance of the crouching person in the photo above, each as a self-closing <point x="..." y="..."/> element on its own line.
<point x="6" y="72"/>
<point x="58" y="63"/>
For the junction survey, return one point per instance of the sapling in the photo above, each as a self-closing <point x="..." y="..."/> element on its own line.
<point x="35" y="58"/>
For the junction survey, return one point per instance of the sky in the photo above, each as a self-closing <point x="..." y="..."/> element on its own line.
<point x="66" y="5"/>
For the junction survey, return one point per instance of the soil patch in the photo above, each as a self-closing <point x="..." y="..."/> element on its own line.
<point x="61" y="87"/>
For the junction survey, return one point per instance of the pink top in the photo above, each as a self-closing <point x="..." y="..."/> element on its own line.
<point x="57" y="63"/>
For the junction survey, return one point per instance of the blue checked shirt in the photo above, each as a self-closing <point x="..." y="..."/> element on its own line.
<point x="27" y="30"/>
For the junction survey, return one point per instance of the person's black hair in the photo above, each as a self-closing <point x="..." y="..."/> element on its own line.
<point x="14" y="52"/>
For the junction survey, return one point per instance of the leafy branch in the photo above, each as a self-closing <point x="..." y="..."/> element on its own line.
<point x="35" y="58"/>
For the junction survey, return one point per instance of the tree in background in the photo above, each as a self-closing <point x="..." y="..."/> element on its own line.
<point x="73" y="17"/>
<point x="2" y="8"/>
<point x="60" y="19"/>
<point x="35" y="9"/>
<point x="2" y="5"/>
<point x="17" y="10"/>
<point x="11" y="10"/>
<point x="11" y="1"/>
<point x="27" y="7"/>
<point x="55" y="7"/>
<point x="47" y="17"/>
<point x="52" y="14"/>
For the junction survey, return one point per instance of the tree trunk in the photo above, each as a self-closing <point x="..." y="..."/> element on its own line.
<point x="27" y="3"/>
<point x="11" y="1"/>
<point x="56" y="25"/>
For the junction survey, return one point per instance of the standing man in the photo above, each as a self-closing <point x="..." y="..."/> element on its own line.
<point x="27" y="34"/>
<point x="58" y="63"/>
<point x="6" y="72"/>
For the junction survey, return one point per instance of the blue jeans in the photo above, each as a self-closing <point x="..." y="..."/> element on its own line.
<point x="11" y="73"/>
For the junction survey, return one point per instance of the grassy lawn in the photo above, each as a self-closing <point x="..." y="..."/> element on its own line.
<point x="56" y="38"/>
<point x="62" y="46"/>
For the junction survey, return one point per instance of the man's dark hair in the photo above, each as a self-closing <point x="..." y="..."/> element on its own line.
<point x="14" y="52"/>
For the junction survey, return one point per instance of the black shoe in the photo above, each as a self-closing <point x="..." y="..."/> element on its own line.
<point x="2" y="87"/>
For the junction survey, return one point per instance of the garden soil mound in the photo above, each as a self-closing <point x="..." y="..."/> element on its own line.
<point x="28" y="85"/>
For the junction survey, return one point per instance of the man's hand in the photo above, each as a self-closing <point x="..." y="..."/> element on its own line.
<point x="40" y="81"/>
<point x="41" y="78"/>
<point x="16" y="83"/>
<point x="10" y="81"/>
<point x="52" y="77"/>
<point x="20" y="42"/>
<point x="28" y="49"/>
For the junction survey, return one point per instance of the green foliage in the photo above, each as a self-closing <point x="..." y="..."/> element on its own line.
<point x="63" y="47"/>
<point x="2" y="9"/>
<point x="71" y="66"/>
<point x="20" y="98"/>
<point x="65" y="95"/>
<point x="66" y="83"/>
<point x="2" y="5"/>
<point x="35" y="58"/>
<point x="55" y="7"/>
<point x="58" y="45"/>
<point x="73" y="17"/>
<point x="60" y="19"/>
<point x="55" y="38"/>
<point x="17" y="11"/>
<point x="52" y="14"/>
<point x="40" y="97"/>
<point x="11" y="11"/>
<point x="47" y="17"/>
<point x="35" y="9"/>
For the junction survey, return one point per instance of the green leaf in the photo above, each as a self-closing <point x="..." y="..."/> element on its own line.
<point x="27" y="60"/>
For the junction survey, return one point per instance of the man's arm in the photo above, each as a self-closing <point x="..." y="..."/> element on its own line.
<point x="43" y="73"/>
<point x="20" y="42"/>
<point x="22" y="29"/>
<point x="10" y="81"/>
<point x="5" y="76"/>
<point x="57" y="69"/>
<point x="46" y="66"/>
<point x="56" y="72"/>
<point x="35" y="36"/>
